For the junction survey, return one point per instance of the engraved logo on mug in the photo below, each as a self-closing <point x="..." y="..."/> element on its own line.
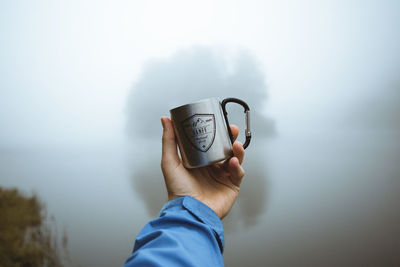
<point x="200" y="130"/>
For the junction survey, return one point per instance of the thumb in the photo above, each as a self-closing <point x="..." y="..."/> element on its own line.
<point x="170" y="156"/>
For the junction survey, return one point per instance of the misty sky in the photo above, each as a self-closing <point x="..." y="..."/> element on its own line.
<point x="64" y="65"/>
<point x="323" y="79"/>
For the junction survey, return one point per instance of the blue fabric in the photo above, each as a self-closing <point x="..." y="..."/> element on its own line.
<point x="186" y="233"/>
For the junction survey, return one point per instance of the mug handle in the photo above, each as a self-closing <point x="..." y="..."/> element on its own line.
<point x="247" y="118"/>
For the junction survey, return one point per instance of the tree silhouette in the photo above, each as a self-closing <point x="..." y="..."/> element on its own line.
<point x="186" y="76"/>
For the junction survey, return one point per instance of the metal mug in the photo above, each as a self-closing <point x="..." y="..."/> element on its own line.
<point x="203" y="133"/>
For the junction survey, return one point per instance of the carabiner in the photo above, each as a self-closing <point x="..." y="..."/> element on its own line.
<point x="247" y="118"/>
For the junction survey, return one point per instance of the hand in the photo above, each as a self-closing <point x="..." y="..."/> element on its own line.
<point x="216" y="185"/>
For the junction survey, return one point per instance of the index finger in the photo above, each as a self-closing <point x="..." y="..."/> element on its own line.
<point x="235" y="131"/>
<point x="238" y="151"/>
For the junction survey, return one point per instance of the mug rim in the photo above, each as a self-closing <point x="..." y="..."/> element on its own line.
<point x="196" y="102"/>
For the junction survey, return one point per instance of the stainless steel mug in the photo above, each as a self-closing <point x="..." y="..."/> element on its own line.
<point x="203" y="133"/>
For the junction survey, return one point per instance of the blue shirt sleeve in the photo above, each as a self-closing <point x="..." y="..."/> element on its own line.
<point x="186" y="233"/>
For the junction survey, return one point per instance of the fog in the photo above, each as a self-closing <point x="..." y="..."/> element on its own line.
<point x="189" y="75"/>
<point x="83" y="86"/>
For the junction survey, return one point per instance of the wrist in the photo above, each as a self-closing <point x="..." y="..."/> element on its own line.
<point x="209" y="203"/>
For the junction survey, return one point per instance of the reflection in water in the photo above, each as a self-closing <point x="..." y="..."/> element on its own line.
<point x="188" y="76"/>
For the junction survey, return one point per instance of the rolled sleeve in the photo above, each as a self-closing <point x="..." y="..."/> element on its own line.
<point x="186" y="233"/>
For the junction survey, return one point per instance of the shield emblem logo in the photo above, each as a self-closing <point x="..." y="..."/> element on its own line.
<point x="199" y="129"/>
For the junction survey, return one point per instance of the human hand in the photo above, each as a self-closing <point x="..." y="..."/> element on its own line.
<point x="216" y="185"/>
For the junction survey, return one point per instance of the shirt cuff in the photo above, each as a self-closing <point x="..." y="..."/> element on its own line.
<point x="201" y="212"/>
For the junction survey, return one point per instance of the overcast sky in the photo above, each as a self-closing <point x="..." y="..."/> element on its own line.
<point x="68" y="64"/>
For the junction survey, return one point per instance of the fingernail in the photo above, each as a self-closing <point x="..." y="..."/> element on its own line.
<point x="162" y="123"/>
<point x="235" y="161"/>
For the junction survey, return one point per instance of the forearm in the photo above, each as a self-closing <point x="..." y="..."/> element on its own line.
<point x="187" y="233"/>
